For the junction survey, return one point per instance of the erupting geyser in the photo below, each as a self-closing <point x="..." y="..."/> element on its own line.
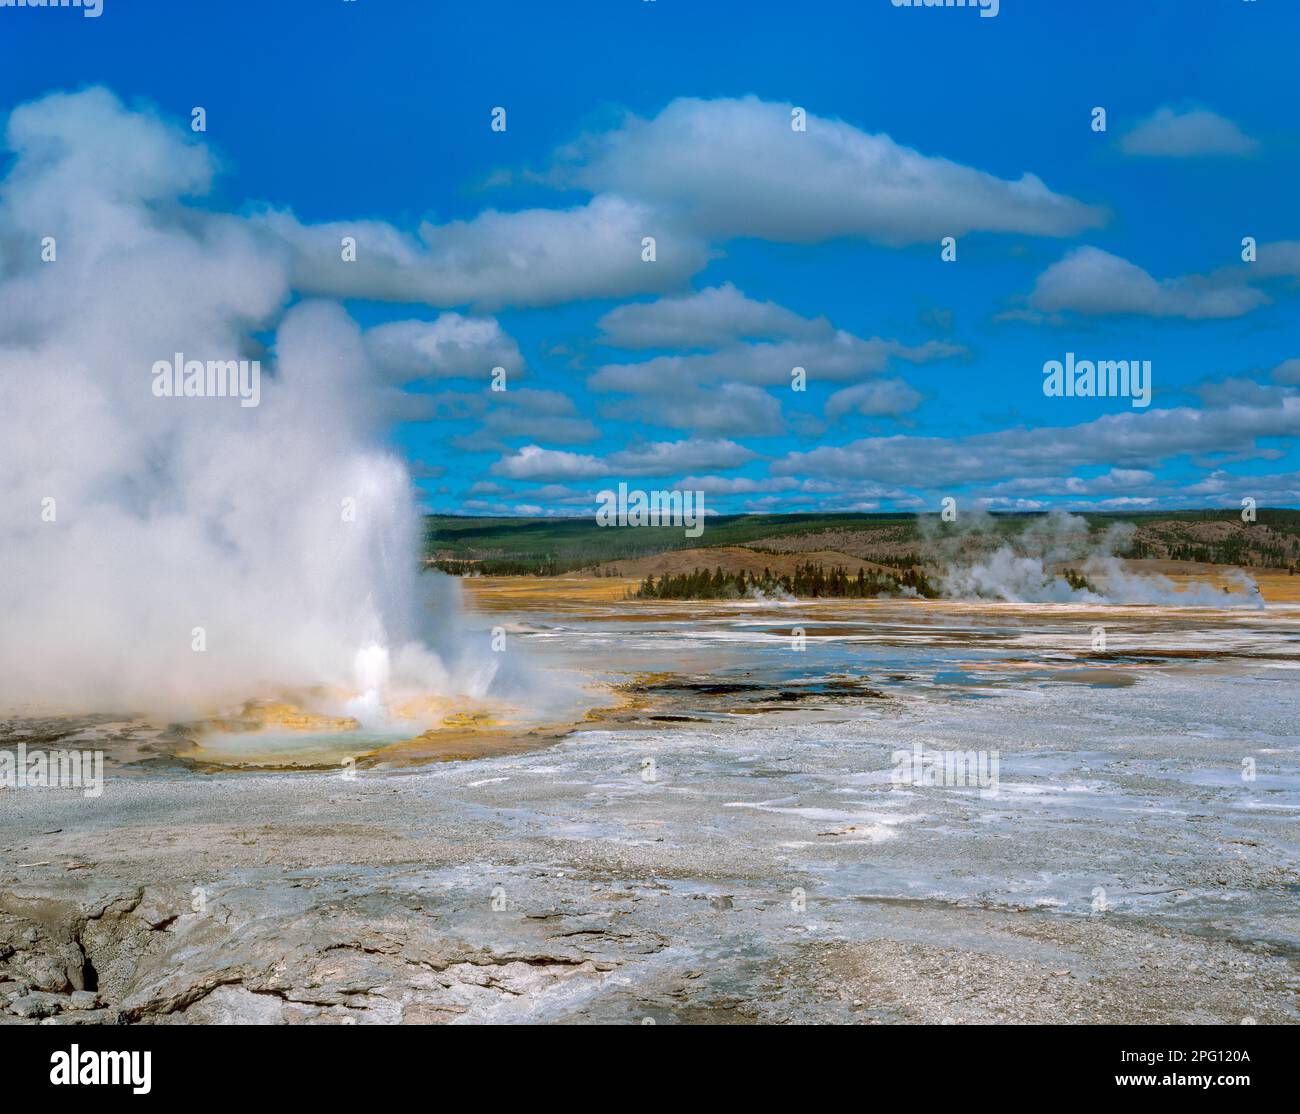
<point x="371" y="707"/>
<point x="180" y="555"/>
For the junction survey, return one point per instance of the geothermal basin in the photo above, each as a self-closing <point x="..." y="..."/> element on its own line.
<point x="717" y="830"/>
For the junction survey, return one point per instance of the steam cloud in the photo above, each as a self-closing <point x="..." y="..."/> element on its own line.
<point x="1024" y="572"/>
<point x="170" y="514"/>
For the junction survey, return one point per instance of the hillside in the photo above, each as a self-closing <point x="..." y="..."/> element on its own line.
<point x="735" y="543"/>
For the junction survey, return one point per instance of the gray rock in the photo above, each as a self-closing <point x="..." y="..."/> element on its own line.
<point x="50" y="972"/>
<point x="36" y="1005"/>
<point x="158" y="908"/>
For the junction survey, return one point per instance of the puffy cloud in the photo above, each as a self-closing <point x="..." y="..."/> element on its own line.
<point x="488" y="487"/>
<point x="835" y="358"/>
<point x="502" y="416"/>
<point x="735" y="167"/>
<point x="666" y="458"/>
<point x="563" y="495"/>
<point x="710" y="318"/>
<point x="1120" y="479"/>
<point x="89" y="143"/>
<point x="532" y="462"/>
<point x="719" y="391"/>
<point x="1121" y="440"/>
<point x="1279" y="259"/>
<point x="1127" y="480"/>
<point x="504" y="425"/>
<point x="535" y="257"/>
<point x="830" y="494"/>
<point x="548" y="499"/>
<point x="739" y="485"/>
<point x="661" y="458"/>
<point x="1288" y="371"/>
<point x="732" y="409"/>
<point x="877" y="398"/>
<point x="1168" y="133"/>
<point x="450" y="347"/>
<point x="1239" y="392"/>
<point x="1227" y="490"/>
<point x="1095" y="282"/>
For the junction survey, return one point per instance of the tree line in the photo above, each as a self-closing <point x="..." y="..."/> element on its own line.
<point x="807" y="581"/>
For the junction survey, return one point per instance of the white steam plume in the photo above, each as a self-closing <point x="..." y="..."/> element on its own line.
<point x="170" y="514"/>
<point x="1026" y="571"/>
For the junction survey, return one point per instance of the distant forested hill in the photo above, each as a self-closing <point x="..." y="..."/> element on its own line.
<point x="549" y="546"/>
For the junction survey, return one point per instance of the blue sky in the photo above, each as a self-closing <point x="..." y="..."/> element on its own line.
<point x="660" y="117"/>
